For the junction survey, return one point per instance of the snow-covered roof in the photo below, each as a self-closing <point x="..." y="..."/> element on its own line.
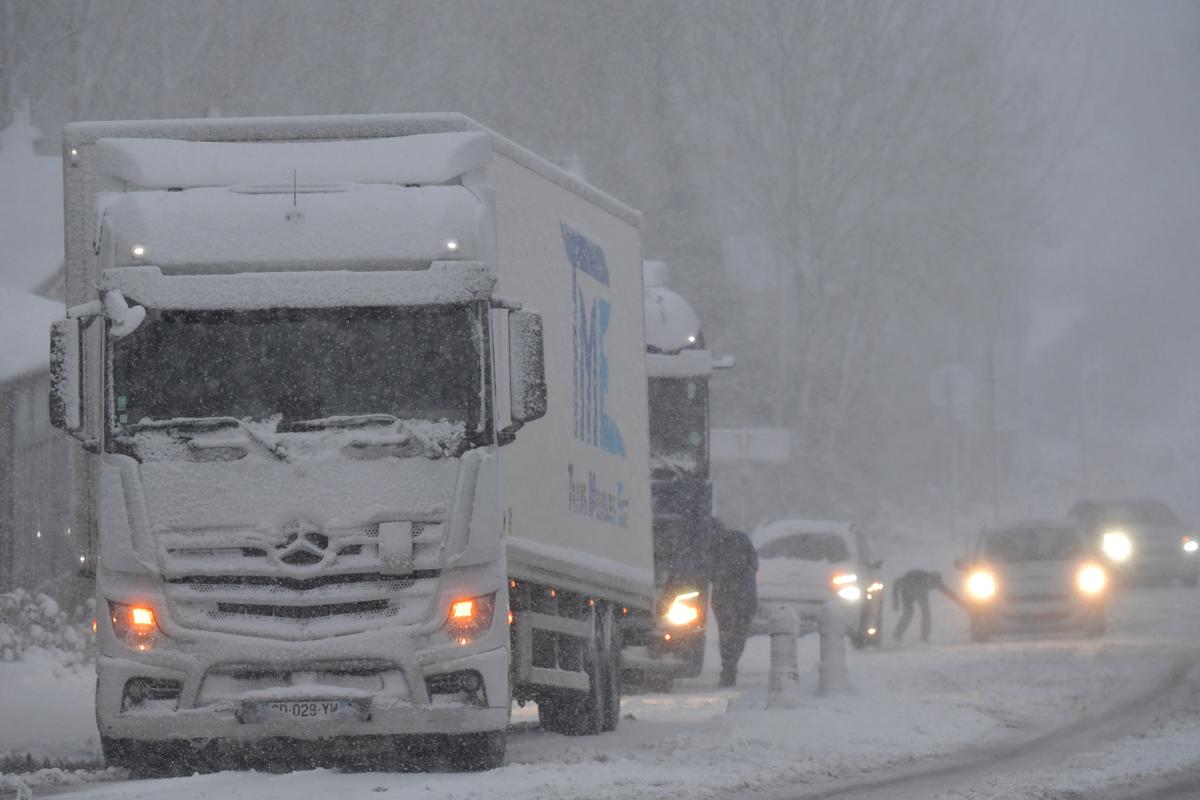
<point x="344" y="226"/>
<point x="445" y="282"/>
<point x="787" y="527"/>
<point x="347" y="126"/>
<point x="31" y="208"/>
<point x="25" y="330"/>
<point x="671" y="323"/>
<point x="429" y="158"/>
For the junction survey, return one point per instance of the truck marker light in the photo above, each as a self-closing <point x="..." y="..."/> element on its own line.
<point x="463" y="609"/>
<point x="553" y="593"/>
<point x="510" y="617"/>
<point x="138" y="251"/>
<point x="666" y="637"/>
<point x="452" y="245"/>
<point x="691" y="340"/>
<point x="842" y="580"/>
<point x="1190" y="545"/>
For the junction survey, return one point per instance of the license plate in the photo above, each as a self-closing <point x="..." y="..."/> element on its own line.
<point x="306" y="709"/>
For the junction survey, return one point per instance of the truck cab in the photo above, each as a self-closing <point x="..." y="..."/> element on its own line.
<point x="678" y="368"/>
<point x="297" y="353"/>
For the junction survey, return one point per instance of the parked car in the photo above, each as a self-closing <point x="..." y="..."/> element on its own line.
<point x="803" y="564"/>
<point x="1142" y="540"/>
<point x="1035" y="576"/>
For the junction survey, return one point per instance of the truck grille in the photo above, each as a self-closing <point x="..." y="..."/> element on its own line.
<point x="237" y="582"/>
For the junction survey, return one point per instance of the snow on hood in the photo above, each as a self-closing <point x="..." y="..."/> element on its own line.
<point x="170" y="163"/>
<point x="25" y="330"/>
<point x="786" y="527"/>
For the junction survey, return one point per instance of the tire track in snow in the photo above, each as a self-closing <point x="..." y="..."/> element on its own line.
<point x="965" y="774"/>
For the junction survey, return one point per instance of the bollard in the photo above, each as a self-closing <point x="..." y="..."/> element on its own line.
<point x="832" y="669"/>
<point x="784" y="676"/>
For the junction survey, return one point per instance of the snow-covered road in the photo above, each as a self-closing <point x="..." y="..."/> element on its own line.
<point x="1047" y="717"/>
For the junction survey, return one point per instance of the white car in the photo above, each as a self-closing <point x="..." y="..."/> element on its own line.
<point x="1035" y="576"/>
<point x="803" y="564"/>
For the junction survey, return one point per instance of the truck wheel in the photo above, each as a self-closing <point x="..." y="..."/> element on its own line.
<point x="148" y="759"/>
<point x="610" y="660"/>
<point x="477" y="752"/>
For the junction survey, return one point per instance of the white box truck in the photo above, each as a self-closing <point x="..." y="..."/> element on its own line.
<point x="365" y="403"/>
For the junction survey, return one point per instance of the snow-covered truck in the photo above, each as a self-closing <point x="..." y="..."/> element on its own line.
<point x="670" y="644"/>
<point x="365" y="399"/>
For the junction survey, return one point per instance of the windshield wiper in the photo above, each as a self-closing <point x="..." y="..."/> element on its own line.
<point x="208" y="424"/>
<point x="342" y="421"/>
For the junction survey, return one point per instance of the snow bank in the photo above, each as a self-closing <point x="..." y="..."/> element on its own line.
<point x="48" y="709"/>
<point x="31" y="210"/>
<point x="25" y="331"/>
<point x="170" y="163"/>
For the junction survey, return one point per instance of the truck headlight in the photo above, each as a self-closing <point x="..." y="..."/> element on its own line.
<point x="1091" y="579"/>
<point x="1116" y="545"/>
<point x="470" y="617"/>
<point x="981" y="585"/>
<point x="684" y="609"/>
<point x="851" y="593"/>
<point x="1190" y="545"/>
<point x="135" y="625"/>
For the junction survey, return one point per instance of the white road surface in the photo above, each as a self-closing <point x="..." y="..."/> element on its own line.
<point x="1052" y="717"/>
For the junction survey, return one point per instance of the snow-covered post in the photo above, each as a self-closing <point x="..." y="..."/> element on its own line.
<point x="832" y="669"/>
<point x="784" y="676"/>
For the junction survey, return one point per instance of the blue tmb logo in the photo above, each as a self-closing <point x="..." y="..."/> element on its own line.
<point x="589" y="267"/>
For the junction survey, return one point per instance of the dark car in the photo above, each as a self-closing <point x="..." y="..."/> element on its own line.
<point x="1142" y="540"/>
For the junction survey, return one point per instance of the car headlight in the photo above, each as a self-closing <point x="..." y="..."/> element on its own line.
<point x="981" y="585"/>
<point x="1116" y="545"/>
<point x="684" y="609"/>
<point x="1190" y="545"/>
<point x="845" y="584"/>
<point x="1091" y="579"/>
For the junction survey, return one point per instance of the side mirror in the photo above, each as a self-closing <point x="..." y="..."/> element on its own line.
<point x="527" y="367"/>
<point x="65" y="378"/>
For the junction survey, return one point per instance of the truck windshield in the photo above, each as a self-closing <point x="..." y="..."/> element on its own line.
<point x="302" y="365"/>
<point x="678" y="427"/>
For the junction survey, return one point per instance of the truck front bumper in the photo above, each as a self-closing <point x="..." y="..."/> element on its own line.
<point x="213" y="701"/>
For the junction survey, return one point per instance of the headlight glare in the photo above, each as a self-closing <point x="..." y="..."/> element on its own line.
<point x="1091" y="579"/>
<point x="1116" y="545"/>
<point x="851" y="593"/>
<point x="684" y="609"/>
<point x="1190" y="545"/>
<point x="981" y="585"/>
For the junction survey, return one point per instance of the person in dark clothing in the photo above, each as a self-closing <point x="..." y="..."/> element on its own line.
<point x="734" y="594"/>
<point x="913" y="588"/>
